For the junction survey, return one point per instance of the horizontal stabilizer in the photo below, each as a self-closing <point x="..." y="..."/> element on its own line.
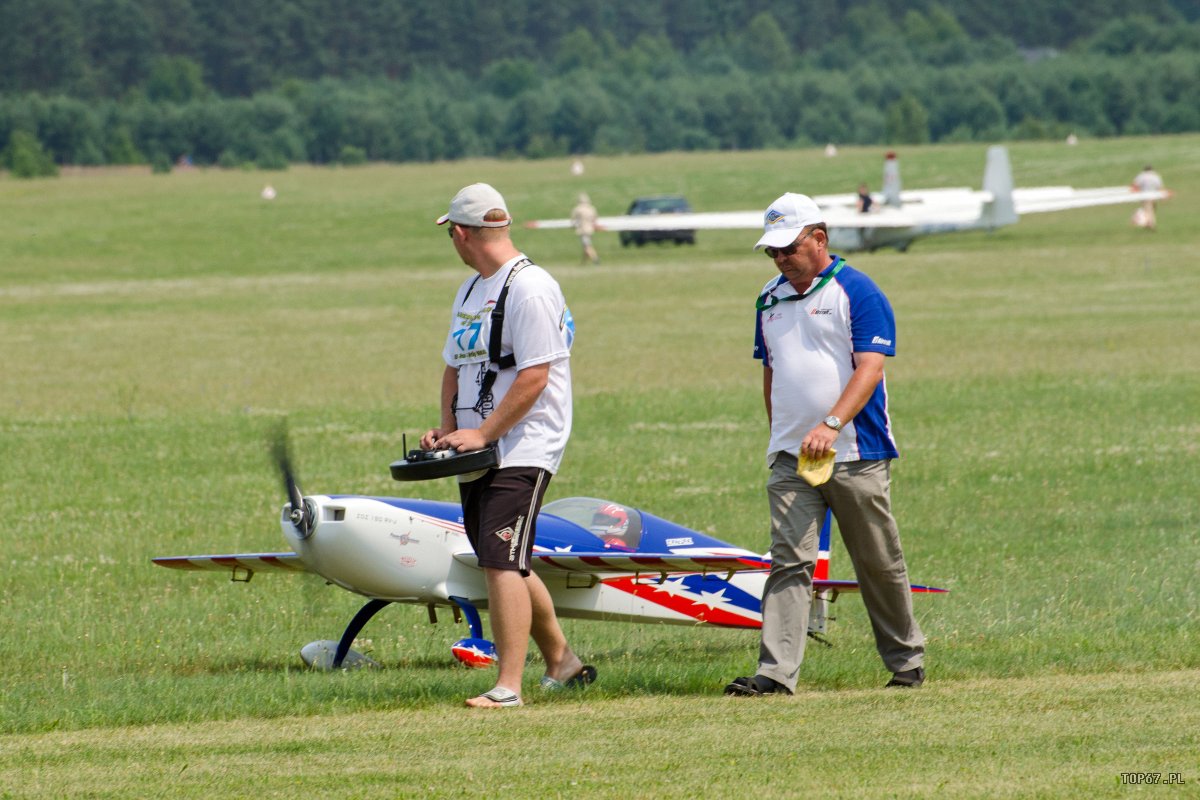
<point x="852" y="586"/>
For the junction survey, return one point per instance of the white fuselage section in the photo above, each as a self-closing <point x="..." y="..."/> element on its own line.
<point x="383" y="551"/>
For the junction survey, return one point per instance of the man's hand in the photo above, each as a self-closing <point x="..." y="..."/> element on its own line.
<point x="430" y="439"/>
<point x="818" y="441"/>
<point x="462" y="440"/>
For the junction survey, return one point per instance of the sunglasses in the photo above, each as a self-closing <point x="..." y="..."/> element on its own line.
<point x="775" y="252"/>
<point x="450" y="230"/>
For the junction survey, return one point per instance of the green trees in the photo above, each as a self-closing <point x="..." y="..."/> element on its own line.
<point x="25" y="158"/>
<point x="41" y="46"/>
<point x="269" y="82"/>
<point x="907" y="121"/>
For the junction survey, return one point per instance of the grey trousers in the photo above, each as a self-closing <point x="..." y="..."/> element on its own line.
<point x="859" y="495"/>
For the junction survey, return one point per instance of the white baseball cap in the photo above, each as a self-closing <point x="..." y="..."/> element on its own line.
<point x="786" y="217"/>
<point x="472" y="204"/>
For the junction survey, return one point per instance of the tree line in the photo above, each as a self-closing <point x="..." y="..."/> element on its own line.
<point x="104" y="48"/>
<point x="882" y="72"/>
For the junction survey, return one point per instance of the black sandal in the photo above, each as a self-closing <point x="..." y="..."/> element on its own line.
<point x="755" y="686"/>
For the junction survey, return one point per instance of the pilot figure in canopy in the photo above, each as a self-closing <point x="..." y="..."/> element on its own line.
<point x="611" y="523"/>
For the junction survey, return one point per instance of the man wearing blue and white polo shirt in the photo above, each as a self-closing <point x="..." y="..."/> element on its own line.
<point x="824" y="330"/>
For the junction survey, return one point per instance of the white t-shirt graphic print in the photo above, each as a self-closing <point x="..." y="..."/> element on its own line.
<point x="537" y="329"/>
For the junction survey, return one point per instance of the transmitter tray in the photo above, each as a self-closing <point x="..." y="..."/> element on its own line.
<point x="424" y="465"/>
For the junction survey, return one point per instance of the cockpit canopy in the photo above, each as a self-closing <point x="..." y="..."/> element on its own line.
<point x="618" y="526"/>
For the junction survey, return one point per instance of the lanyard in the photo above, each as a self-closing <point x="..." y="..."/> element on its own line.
<point x="495" y="362"/>
<point x="762" y="305"/>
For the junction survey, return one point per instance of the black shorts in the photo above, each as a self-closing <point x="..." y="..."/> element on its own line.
<point x="500" y="514"/>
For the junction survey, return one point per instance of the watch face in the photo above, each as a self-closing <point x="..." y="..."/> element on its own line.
<point x="833" y="422"/>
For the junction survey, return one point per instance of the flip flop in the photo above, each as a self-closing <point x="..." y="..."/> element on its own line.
<point x="499" y="697"/>
<point x="586" y="675"/>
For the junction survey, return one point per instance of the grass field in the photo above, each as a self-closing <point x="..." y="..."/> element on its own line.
<point x="155" y="329"/>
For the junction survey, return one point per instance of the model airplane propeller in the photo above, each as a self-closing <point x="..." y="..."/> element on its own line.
<point x="599" y="560"/>
<point x="301" y="514"/>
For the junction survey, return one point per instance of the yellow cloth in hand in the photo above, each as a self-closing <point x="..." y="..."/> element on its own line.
<point x="816" y="470"/>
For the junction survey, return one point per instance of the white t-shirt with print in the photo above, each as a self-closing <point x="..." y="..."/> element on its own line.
<point x="538" y="329"/>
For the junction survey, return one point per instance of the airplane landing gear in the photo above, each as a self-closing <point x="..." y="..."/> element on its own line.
<point x="473" y="651"/>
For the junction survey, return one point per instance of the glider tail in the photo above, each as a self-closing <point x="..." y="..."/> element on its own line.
<point x="998" y="181"/>
<point x="891" y="180"/>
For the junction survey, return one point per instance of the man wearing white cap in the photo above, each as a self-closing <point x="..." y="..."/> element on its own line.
<point x="511" y="389"/>
<point x="823" y="332"/>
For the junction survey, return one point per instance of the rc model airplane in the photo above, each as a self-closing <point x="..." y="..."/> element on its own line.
<point x="599" y="560"/>
<point x="898" y="217"/>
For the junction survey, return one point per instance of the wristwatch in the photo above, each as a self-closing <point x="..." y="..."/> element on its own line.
<point x="833" y="422"/>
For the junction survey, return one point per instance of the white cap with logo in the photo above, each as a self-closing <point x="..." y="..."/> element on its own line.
<point x="472" y="204"/>
<point x="786" y="218"/>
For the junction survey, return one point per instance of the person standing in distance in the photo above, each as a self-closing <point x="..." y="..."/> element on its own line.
<point x="583" y="220"/>
<point x="1147" y="181"/>
<point x="823" y="332"/>
<point x="521" y="404"/>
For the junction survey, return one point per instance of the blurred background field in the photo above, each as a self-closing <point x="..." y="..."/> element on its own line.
<point x="155" y="328"/>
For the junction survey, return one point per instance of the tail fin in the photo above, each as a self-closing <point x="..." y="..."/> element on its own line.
<point x="891" y="180"/>
<point x="998" y="180"/>
<point x="821" y="572"/>
<point x="818" y="615"/>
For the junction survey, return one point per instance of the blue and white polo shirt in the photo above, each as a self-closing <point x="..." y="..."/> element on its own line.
<point x="809" y="344"/>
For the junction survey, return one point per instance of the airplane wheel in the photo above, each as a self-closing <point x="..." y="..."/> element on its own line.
<point x="475" y="653"/>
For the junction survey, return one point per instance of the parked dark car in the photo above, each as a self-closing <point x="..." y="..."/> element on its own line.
<point x="659" y="204"/>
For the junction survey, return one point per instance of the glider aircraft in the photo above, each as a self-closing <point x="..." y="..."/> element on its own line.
<point x="599" y="560"/>
<point x="897" y="216"/>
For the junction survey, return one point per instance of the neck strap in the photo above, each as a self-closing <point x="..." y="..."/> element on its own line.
<point x="768" y="300"/>
<point x="497" y="362"/>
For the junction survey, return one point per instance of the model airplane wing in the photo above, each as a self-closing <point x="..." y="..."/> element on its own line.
<point x="649" y="562"/>
<point x="624" y="563"/>
<point x="242" y="565"/>
<point x="936" y="206"/>
<point x="713" y="220"/>
<point x="899" y="217"/>
<point x="609" y="562"/>
<point x="1062" y="198"/>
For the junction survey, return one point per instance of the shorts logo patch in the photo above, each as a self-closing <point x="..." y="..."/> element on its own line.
<point x="506" y="535"/>
<point x="514" y="542"/>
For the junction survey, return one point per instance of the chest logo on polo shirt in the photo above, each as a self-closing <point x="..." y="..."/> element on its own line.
<point x="820" y="312"/>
